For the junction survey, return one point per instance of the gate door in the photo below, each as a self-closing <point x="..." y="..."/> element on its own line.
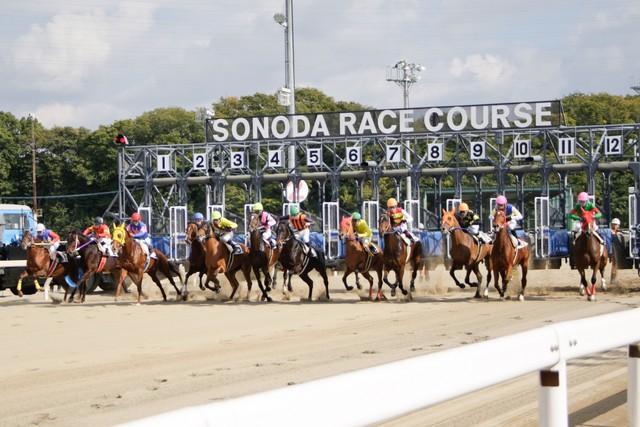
<point x="213" y="208"/>
<point x="330" y="232"/>
<point x="633" y="223"/>
<point x="177" y="232"/>
<point x="412" y="207"/>
<point x="247" y="218"/>
<point x="145" y="213"/>
<point x="542" y="224"/>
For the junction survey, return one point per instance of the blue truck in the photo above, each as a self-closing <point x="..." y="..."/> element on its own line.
<point x="14" y="221"/>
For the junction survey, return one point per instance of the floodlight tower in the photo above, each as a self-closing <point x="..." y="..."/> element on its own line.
<point x="405" y="74"/>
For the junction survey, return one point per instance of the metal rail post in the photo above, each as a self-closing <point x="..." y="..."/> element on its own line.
<point x="552" y="396"/>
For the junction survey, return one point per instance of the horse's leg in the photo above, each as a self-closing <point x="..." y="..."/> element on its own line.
<point x="603" y="264"/>
<point x="155" y="279"/>
<point x="231" y="277"/>
<point x="475" y="267"/>
<point x="305" y="276"/>
<point x="347" y="272"/>
<point x="369" y="278"/>
<point x="121" y="277"/>
<point x="379" y="295"/>
<point x="323" y="272"/>
<point x="357" y="281"/>
<point x="415" y="265"/>
<point x="452" y="273"/>
<point x="488" y="264"/>
<point x="386" y="280"/>
<point x="289" y="276"/>
<point x="524" y="267"/>
<point x="138" y="282"/>
<point x="246" y="272"/>
<point x="506" y="279"/>
<point x="400" y="274"/>
<point x="19" y="286"/>
<point x="583" y="282"/>
<point x="267" y="280"/>
<point x="594" y="277"/>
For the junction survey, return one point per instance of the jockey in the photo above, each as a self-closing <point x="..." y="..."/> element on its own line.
<point x="50" y="237"/>
<point x="399" y="219"/>
<point x="224" y="230"/>
<point x="266" y="221"/>
<point x="100" y="231"/>
<point x="302" y="227"/>
<point x="138" y="230"/>
<point x="511" y="212"/>
<point x="469" y="222"/>
<point x="363" y="232"/>
<point x="584" y="204"/>
<point x="615" y="226"/>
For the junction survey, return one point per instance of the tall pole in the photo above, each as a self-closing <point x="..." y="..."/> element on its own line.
<point x="407" y="149"/>
<point x="291" y="79"/>
<point x="33" y="167"/>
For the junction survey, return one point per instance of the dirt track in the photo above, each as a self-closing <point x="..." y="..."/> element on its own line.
<point x="103" y="362"/>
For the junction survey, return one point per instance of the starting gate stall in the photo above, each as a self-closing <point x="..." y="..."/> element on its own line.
<point x="145" y="214"/>
<point x="248" y="207"/>
<point x="412" y="207"/>
<point x="541" y="227"/>
<point x="633" y="225"/>
<point x="330" y="229"/>
<point x="177" y="232"/>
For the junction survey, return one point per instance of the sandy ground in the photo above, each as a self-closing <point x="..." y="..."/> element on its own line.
<point x="102" y="362"/>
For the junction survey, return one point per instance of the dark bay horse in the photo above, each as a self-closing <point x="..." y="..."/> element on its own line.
<point x="295" y="261"/>
<point x="195" y="237"/>
<point x="396" y="256"/>
<point x="39" y="264"/>
<point x="359" y="261"/>
<point x="589" y="252"/>
<point x="466" y="253"/>
<point x="133" y="260"/>
<point x="218" y="260"/>
<point x="504" y="257"/>
<point x="92" y="260"/>
<point x="262" y="256"/>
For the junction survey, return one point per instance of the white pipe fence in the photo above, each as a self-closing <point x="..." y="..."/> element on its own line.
<point x="384" y="392"/>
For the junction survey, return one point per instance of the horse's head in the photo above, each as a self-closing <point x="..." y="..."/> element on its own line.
<point x="588" y="220"/>
<point x="346" y="228"/>
<point x="499" y="220"/>
<point x="75" y="239"/>
<point x="192" y="232"/>
<point x="254" y="222"/>
<point x="384" y="223"/>
<point x="27" y="240"/>
<point x="118" y="235"/>
<point x="449" y="220"/>
<point x="283" y="231"/>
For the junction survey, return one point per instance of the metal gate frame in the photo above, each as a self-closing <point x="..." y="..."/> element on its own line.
<point x="330" y="232"/>
<point x="177" y="232"/>
<point x="542" y="227"/>
<point x="214" y="208"/>
<point x="145" y="213"/>
<point x="412" y="207"/>
<point x="633" y="223"/>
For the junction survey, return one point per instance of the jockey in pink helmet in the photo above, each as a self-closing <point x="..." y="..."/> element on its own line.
<point x="584" y="204"/>
<point x="513" y="214"/>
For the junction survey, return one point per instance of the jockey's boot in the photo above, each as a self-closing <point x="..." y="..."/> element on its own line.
<point x="152" y="253"/>
<point x="514" y="238"/>
<point x="373" y="249"/>
<point x="412" y="237"/>
<point x="272" y="243"/>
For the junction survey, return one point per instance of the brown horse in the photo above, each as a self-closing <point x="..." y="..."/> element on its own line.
<point x="133" y="261"/>
<point x="195" y="237"/>
<point x="218" y="260"/>
<point x="360" y="261"/>
<point x="92" y="261"/>
<point x="589" y="252"/>
<point x="39" y="264"/>
<point x="397" y="254"/>
<point x="263" y="257"/>
<point x="466" y="252"/>
<point x="504" y="256"/>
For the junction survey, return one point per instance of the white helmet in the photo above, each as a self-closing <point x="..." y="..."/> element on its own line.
<point x="40" y="228"/>
<point x="615" y="221"/>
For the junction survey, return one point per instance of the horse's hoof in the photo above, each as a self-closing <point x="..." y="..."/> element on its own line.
<point x="357" y="286"/>
<point x="460" y="285"/>
<point x="520" y="297"/>
<point x="412" y="288"/>
<point x="393" y="292"/>
<point x="404" y="292"/>
<point x="486" y="293"/>
<point x="581" y="291"/>
<point x="477" y="295"/>
<point x="20" y="294"/>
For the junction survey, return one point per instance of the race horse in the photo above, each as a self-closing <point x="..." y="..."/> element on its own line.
<point x="358" y="260"/>
<point x="589" y="251"/>
<point x="504" y="257"/>
<point x="91" y="260"/>
<point x="466" y="253"/>
<point x="134" y="263"/>
<point x="195" y="238"/>
<point x="218" y="259"/>
<point x="262" y="256"/>
<point x="39" y="264"/>
<point x="294" y="260"/>
<point x="397" y="253"/>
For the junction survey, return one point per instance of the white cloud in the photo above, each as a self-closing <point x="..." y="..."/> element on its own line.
<point x="91" y="114"/>
<point x="485" y="68"/>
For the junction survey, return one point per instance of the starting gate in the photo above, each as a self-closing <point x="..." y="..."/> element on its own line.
<point x="247" y="218"/>
<point x="330" y="225"/>
<point x="412" y="207"/>
<point x="633" y="223"/>
<point x="177" y="232"/>
<point x="287" y="206"/>
<point x="542" y="225"/>
<point x="145" y="213"/>
<point x="371" y="214"/>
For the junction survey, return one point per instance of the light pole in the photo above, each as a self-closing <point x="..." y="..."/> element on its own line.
<point x="32" y="119"/>
<point x="287" y="95"/>
<point x="405" y="74"/>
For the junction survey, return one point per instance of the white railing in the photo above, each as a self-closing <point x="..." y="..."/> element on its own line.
<point x="346" y="399"/>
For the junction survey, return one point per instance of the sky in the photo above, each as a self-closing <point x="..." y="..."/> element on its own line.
<point x="91" y="62"/>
